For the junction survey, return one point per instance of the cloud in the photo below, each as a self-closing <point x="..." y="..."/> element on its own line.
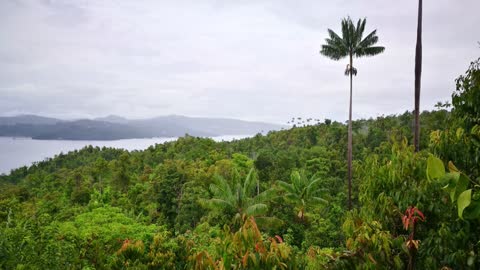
<point x="255" y="60"/>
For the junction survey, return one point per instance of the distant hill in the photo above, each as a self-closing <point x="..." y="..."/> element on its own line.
<point x="115" y="127"/>
<point x="28" y="120"/>
<point x="113" y="119"/>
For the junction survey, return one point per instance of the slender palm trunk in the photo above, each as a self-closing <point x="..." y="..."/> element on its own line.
<point x="349" y="147"/>
<point x="418" y="77"/>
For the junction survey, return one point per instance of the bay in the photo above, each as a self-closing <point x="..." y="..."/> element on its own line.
<point x="18" y="152"/>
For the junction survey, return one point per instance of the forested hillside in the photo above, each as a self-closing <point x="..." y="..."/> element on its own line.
<point x="274" y="201"/>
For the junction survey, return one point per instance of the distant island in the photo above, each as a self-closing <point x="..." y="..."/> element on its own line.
<point x="116" y="127"/>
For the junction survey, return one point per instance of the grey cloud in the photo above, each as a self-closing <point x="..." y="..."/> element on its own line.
<point x="255" y="60"/>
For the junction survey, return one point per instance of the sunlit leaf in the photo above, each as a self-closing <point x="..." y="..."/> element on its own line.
<point x="463" y="201"/>
<point x="435" y="168"/>
<point x="451" y="167"/>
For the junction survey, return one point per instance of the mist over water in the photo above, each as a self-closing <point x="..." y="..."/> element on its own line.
<point x="18" y="152"/>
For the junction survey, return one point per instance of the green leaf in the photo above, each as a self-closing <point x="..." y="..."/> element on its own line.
<point x="452" y="180"/>
<point x="459" y="133"/>
<point x="269" y="222"/>
<point x="462" y="185"/>
<point x="435" y="168"/>
<point x="472" y="211"/>
<point x="256" y="209"/>
<point x="470" y="260"/>
<point x="464" y="201"/>
<point x="451" y="167"/>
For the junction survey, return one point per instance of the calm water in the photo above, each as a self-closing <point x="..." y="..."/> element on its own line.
<point x="17" y="152"/>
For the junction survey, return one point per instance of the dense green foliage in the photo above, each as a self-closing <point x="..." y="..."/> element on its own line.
<point x="274" y="201"/>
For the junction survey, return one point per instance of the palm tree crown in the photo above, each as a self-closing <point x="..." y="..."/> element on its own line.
<point x="241" y="198"/>
<point x="351" y="42"/>
<point x="302" y="192"/>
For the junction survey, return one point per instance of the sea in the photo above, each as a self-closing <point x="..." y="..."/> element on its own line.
<point x="17" y="152"/>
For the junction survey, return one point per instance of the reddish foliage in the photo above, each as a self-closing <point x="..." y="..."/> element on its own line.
<point x="409" y="219"/>
<point x="411" y="216"/>
<point x="280" y="240"/>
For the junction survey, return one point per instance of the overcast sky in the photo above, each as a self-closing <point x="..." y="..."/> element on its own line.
<point x="252" y="60"/>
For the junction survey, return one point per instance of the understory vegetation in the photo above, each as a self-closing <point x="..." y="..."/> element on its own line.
<point x="277" y="201"/>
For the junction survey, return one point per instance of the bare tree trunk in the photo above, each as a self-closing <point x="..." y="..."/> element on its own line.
<point x="349" y="147"/>
<point x="418" y="77"/>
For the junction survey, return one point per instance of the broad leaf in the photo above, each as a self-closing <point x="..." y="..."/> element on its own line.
<point x="435" y="168"/>
<point x="452" y="180"/>
<point x="472" y="211"/>
<point x="462" y="185"/>
<point x="464" y="201"/>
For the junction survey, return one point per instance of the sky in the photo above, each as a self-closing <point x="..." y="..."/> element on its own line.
<point x="245" y="59"/>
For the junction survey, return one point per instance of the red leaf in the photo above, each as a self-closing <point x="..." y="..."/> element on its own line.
<point x="420" y="214"/>
<point x="280" y="240"/>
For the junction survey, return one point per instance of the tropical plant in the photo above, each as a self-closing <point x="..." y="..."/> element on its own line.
<point x="460" y="140"/>
<point x="418" y="77"/>
<point x="243" y="199"/>
<point x="246" y="248"/>
<point x="351" y="44"/>
<point x="465" y="98"/>
<point x="409" y="219"/>
<point x="302" y="192"/>
<point x="468" y="203"/>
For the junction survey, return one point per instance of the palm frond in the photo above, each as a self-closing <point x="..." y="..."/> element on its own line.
<point x="256" y="209"/>
<point x="304" y="179"/>
<point x="220" y="186"/>
<point x="338" y="44"/>
<point x="239" y="196"/>
<point x="334" y="36"/>
<point x="371" y="51"/>
<point x="369" y="40"/>
<point x="359" y="30"/>
<point x="219" y="191"/>
<point x="332" y="52"/>
<point x="320" y="200"/>
<point x="250" y="183"/>
<point x="292" y="197"/>
<point x="286" y="186"/>
<point x="265" y="196"/>
<point x="347" y="31"/>
<point x="311" y="188"/>
<point x="336" y="41"/>
<point x="296" y="180"/>
<point x="216" y="204"/>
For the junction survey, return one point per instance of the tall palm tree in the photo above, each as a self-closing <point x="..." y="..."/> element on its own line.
<point x="418" y="78"/>
<point x="302" y="192"/>
<point x="351" y="44"/>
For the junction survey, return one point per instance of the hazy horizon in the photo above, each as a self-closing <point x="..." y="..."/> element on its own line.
<point x="133" y="118"/>
<point x="212" y="117"/>
<point x="247" y="60"/>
